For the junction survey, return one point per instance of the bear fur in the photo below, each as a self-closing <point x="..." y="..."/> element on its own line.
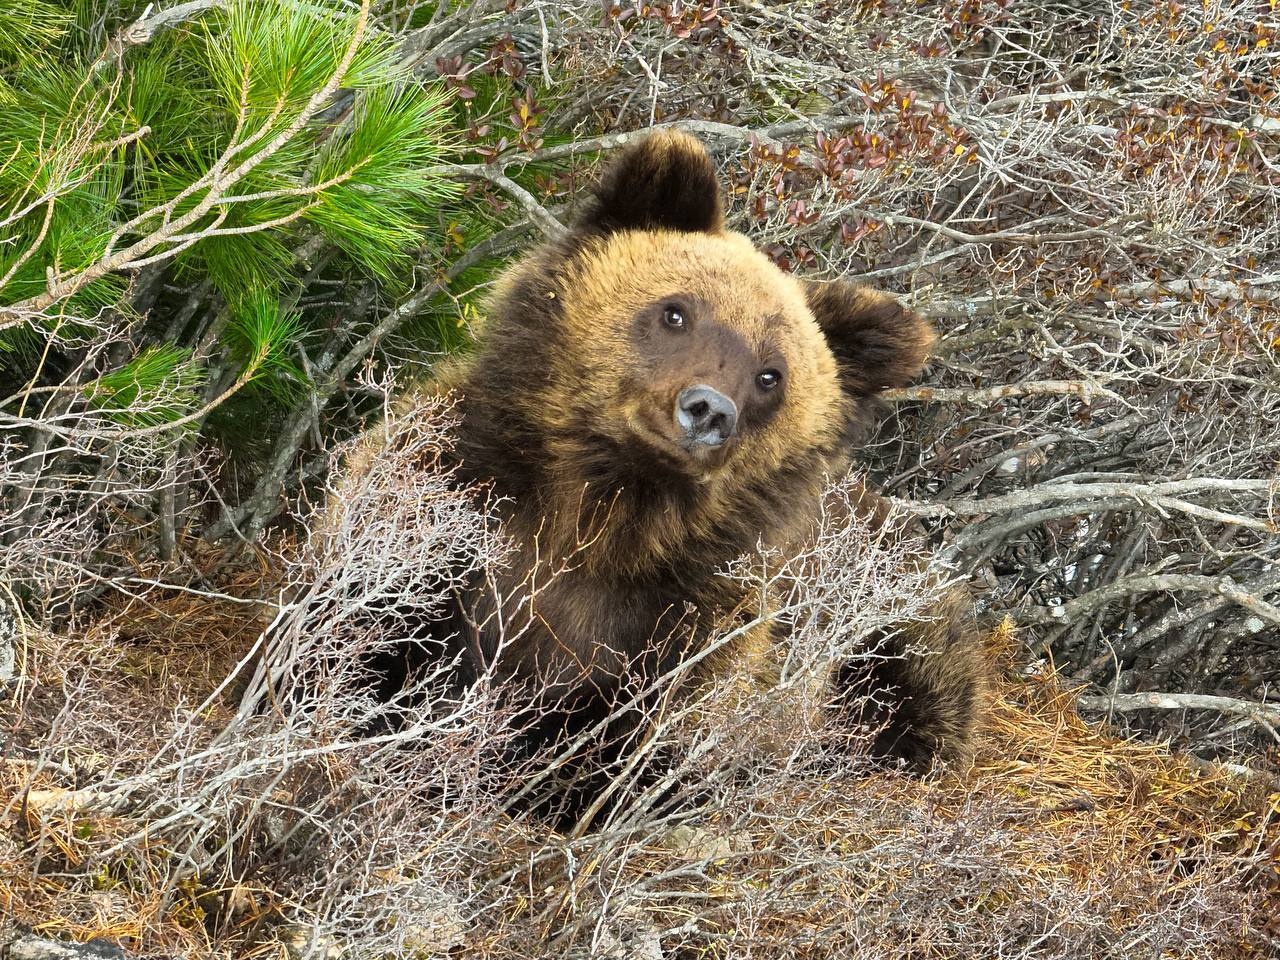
<point x="623" y="515"/>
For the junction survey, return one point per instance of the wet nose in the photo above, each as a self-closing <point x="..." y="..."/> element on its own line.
<point x="706" y="415"/>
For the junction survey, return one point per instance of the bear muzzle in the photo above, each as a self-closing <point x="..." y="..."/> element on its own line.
<point x="705" y="417"/>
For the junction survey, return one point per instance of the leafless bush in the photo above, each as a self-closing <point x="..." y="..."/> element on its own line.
<point x="293" y="795"/>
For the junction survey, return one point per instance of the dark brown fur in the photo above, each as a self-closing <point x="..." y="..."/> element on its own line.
<point x="566" y="410"/>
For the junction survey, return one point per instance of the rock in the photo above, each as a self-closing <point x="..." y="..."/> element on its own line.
<point x="698" y="843"/>
<point x="30" y="947"/>
<point x="436" y="931"/>
<point x="302" y="941"/>
<point x="8" y="644"/>
<point x="433" y="929"/>
<point x="629" y="937"/>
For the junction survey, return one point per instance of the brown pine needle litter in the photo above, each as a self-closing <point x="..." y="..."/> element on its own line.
<point x="1059" y="840"/>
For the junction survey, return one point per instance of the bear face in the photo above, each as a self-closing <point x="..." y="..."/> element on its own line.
<point x="710" y="366"/>
<point x="669" y="371"/>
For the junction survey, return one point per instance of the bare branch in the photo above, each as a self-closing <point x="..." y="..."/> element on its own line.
<point x="1086" y="391"/>
<point x="1266" y="715"/>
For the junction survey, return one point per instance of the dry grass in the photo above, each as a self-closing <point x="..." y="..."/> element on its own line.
<point x="1059" y="838"/>
<point x="1060" y="841"/>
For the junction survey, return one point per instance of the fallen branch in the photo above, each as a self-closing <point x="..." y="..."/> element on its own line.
<point x="1161" y="496"/>
<point x="1223" y="586"/>
<point x="1266" y="715"/>
<point x="55" y="801"/>
<point x="1083" y="389"/>
<point x="144" y="29"/>
<point x="1218" y="289"/>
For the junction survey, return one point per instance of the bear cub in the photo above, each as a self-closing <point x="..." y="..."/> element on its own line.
<point x="651" y="397"/>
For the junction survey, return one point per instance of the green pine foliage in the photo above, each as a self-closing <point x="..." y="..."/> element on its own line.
<point x="206" y="235"/>
<point x="259" y="337"/>
<point x="156" y="387"/>
<point x="28" y="28"/>
<point x="376" y="165"/>
<point x="212" y="155"/>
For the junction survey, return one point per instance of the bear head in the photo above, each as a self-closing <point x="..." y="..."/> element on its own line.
<point x="654" y="351"/>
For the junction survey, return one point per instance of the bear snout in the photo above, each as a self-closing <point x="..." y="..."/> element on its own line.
<point x="705" y="415"/>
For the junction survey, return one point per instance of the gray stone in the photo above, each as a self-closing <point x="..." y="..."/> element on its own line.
<point x="29" y="947"/>
<point x="8" y="643"/>
<point x="698" y="843"/>
<point x="436" y="931"/>
<point x="630" y="937"/>
<point x="305" y="942"/>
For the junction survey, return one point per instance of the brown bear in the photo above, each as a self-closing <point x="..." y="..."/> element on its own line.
<point x="652" y="398"/>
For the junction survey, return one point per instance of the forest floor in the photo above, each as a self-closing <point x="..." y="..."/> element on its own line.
<point x="1057" y="833"/>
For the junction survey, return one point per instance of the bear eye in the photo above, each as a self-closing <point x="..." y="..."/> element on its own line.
<point x="768" y="379"/>
<point x="673" y="317"/>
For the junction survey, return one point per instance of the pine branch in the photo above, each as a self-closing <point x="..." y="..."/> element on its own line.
<point x="215" y="183"/>
<point x="548" y="224"/>
<point x="144" y="29"/>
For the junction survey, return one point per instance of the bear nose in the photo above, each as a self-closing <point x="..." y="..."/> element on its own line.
<point x="706" y="415"/>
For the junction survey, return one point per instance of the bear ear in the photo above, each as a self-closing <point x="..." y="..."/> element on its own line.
<point x="664" y="182"/>
<point x="878" y="343"/>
